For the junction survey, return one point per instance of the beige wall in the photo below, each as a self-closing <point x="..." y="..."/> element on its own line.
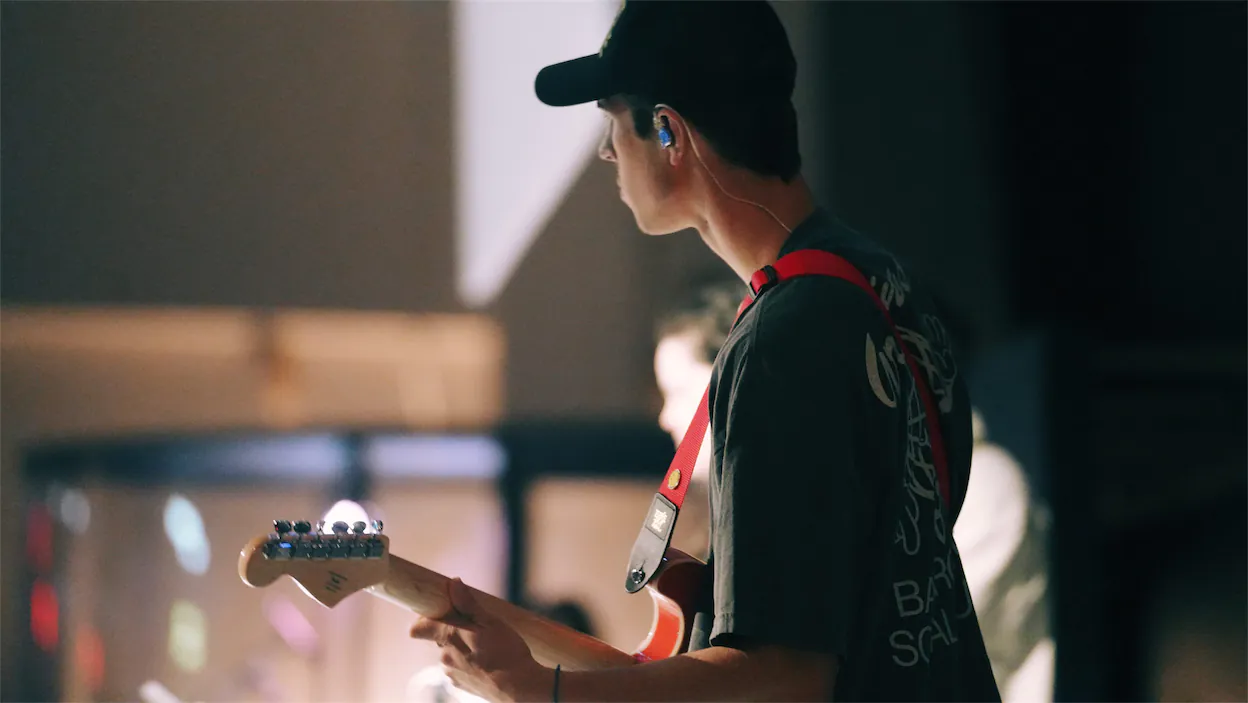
<point x="228" y="153"/>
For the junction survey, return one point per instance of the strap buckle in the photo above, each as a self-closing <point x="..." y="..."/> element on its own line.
<point x="652" y="542"/>
<point x="764" y="278"/>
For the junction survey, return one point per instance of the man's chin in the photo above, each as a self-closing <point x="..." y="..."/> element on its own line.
<point x="654" y="229"/>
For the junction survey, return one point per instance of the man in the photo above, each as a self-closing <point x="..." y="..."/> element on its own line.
<point x="834" y="571"/>
<point x="1000" y="531"/>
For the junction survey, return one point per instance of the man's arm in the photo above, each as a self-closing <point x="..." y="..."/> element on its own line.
<point x="484" y="656"/>
<point x="712" y="674"/>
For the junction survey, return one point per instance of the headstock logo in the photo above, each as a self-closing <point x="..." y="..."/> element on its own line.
<point x="334" y="584"/>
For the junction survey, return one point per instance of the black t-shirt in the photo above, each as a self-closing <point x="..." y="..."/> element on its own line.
<point x="827" y="529"/>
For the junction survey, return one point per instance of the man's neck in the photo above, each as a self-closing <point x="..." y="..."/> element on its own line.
<point x="745" y="236"/>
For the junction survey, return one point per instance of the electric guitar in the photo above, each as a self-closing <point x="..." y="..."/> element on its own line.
<point x="329" y="566"/>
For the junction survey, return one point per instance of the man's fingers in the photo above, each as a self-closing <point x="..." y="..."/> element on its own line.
<point x="442" y="634"/>
<point x="453" y="659"/>
<point x="456" y="641"/>
<point x="462" y="599"/>
<point x="429" y="629"/>
<point x="434" y="631"/>
<point x="464" y="603"/>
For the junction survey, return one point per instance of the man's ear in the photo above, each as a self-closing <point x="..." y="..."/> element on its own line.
<point x="671" y="132"/>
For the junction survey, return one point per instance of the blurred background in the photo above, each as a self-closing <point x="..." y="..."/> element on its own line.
<point x="288" y="260"/>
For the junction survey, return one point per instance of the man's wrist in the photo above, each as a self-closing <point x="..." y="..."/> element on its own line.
<point x="536" y="685"/>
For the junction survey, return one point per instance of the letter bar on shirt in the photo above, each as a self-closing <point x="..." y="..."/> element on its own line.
<point x="656" y="531"/>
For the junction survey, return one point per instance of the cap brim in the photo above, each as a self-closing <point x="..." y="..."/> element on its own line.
<point x="574" y="82"/>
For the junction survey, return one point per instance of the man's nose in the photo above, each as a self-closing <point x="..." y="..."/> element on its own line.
<point x="606" y="150"/>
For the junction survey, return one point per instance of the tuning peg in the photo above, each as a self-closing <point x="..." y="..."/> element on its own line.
<point x="320" y="527"/>
<point x="340" y="528"/>
<point x="377" y="526"/>
<point x="303" y="527"/>
<point x="281" y="527"/>
<point x="358" y="527"/>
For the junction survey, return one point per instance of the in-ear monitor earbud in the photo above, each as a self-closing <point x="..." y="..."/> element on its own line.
<point x="665" y="133"/>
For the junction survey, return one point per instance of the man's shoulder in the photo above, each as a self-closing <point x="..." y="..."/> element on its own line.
<point x="814" y="314"/>
<point x="881" y="268"/>
<point x="818" y="308"/>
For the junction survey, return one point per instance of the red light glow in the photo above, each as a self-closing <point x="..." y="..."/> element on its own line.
<point x="44" y="615"/>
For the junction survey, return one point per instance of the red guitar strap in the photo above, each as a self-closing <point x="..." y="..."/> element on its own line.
<point x="656" y="532"/>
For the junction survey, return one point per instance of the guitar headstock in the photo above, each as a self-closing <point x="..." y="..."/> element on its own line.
<point x="327" y="565"/>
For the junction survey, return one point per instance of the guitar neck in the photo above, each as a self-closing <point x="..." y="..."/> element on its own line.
<point x="425" y="592"/>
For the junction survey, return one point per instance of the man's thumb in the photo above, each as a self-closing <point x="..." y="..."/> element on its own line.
<point x="462" y="599"/>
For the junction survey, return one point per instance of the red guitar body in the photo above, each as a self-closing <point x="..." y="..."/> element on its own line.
<point x="680" y="589"/>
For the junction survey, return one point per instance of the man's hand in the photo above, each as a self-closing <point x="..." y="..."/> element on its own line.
<point x="483" y="655"/>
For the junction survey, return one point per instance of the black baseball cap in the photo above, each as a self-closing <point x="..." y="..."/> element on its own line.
<point x="674" y="51"/>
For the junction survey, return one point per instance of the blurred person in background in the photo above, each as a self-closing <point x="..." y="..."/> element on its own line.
<point x="1002" y="535"/>
<point x="831" y="511"/>
<point x="686" y="342"/>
